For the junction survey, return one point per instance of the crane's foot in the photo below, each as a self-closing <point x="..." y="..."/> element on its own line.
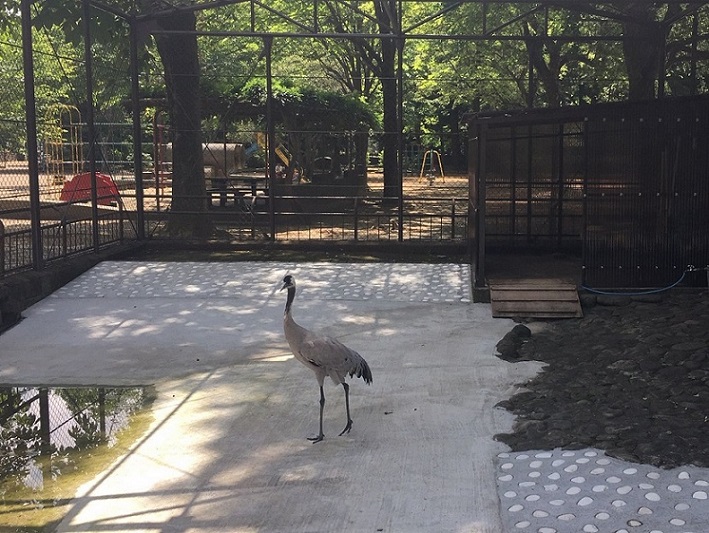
<point x="347" y="429"/>
<point x="316" y="439"/>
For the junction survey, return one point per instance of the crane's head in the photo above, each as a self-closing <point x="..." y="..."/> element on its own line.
<point x="288" y="282"/>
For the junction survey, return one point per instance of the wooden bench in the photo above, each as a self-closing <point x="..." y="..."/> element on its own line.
<point x="239" y="192"/>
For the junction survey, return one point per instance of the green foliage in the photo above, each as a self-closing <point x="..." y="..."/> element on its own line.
<point x="330" y="84"/>
<point x="55" y="66"/>
<point x="9" y="14"/>
<point x="307" y="108"/>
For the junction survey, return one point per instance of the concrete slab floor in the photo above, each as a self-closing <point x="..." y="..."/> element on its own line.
<point x="227" y="450"/>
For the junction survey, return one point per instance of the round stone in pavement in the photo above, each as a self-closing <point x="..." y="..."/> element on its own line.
<point x="561" y="491"/>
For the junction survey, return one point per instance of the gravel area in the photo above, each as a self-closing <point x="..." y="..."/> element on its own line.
<point x="630" y="378"/>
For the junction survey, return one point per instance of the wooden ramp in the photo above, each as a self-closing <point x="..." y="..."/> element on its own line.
<point x="534" y="298"/>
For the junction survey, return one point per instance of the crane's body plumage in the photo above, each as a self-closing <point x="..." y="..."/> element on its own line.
<point x="315" y="351"/>
<point x="324" y="355"/>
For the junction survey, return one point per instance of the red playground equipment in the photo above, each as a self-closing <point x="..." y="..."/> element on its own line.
<point x="78" y="189"/>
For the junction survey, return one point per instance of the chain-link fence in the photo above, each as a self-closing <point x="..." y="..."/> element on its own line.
<point x="319" y="191"/>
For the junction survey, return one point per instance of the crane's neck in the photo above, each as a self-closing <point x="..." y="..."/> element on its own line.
<point x="289" y="301"/>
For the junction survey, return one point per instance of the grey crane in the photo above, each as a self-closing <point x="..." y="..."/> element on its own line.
<point x="323" y="355"/>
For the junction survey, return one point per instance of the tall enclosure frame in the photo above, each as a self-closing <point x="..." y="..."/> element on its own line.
<point x="404" y="28"/>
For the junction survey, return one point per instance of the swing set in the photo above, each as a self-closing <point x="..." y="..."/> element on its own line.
<point x="434" y="165"/>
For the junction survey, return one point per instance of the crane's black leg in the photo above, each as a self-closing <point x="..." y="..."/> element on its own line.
<point x="347" y="406"/>
<point x="322" y="406"/>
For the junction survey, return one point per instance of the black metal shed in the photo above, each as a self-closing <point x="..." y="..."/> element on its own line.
<point x="623" y="187"/>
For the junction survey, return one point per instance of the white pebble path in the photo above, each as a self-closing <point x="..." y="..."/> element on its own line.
<point x="585" y="491"/>
<point x="410" y="282"/>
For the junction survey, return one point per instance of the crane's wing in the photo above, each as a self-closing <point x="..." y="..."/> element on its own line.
<point x="334" y="358"/>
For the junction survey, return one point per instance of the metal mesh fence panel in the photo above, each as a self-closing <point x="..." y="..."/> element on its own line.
<point x="626" y="184"/>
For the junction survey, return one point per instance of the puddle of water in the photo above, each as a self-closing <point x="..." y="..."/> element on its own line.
<point x="52" y="440"/>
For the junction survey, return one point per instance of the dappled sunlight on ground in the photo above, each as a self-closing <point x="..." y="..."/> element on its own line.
<point x="227" y="450"/>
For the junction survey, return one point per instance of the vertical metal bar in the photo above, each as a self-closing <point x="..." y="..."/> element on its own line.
<point x="560" y="188"/>
<point x="530" y="175"/>
<point x="356" y="218"/>
<point x="137" y="134"/>
<point x="31" y="126"/>
<point x="471" y="224"/>
<point x="316" y="25"/>
<point x="693" y="55"/>
<point x="2" y="249"/>
<point x="546" y="21"/>
<point x="88" y="58"/>
<point x="270" y="139"/>
<point x="400" y="129"/>
<point x="44" y="422"/>
<point x="253" y="16"/>
<point x="102" y="412"/>
<point x="513" y="196"/>
<point x="452" y="220"/>
<point x="530" y="81"/>
<point x="481" y="208"/>
<point x="64" y="251"/>
<point x="157" y="157"/>
<point x="584" y="206"/>
<point x="121" y="213"/>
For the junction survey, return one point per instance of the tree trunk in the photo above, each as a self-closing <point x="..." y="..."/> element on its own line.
<point x="642" y="48"/>
<point x="179" y="54"/>
<point x="361" y="143"/>
<point x="548" y="68"/>
<point x="456" y="147"/>
<point x="391" y="123"/>
<point x="386" y="16"/>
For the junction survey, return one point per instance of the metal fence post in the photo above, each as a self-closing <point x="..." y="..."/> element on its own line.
<point x="121" y="230"/>
<point x="400" y="130"/>
<point x="270" y="139"/>
<point x="102" y="413"/>
<point x="88" y="60"/>
<point x="65" y="239"/>
<point x="137" y="136"/>
<point x="31" y="120"/>
<point x="2" y="249"/>
<point x="356" y="218"/>
<point x="44" y="423"/>
<point x="453" y="219"/>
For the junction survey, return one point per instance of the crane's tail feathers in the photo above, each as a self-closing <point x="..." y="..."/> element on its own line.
<point x="363" y="371"/>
